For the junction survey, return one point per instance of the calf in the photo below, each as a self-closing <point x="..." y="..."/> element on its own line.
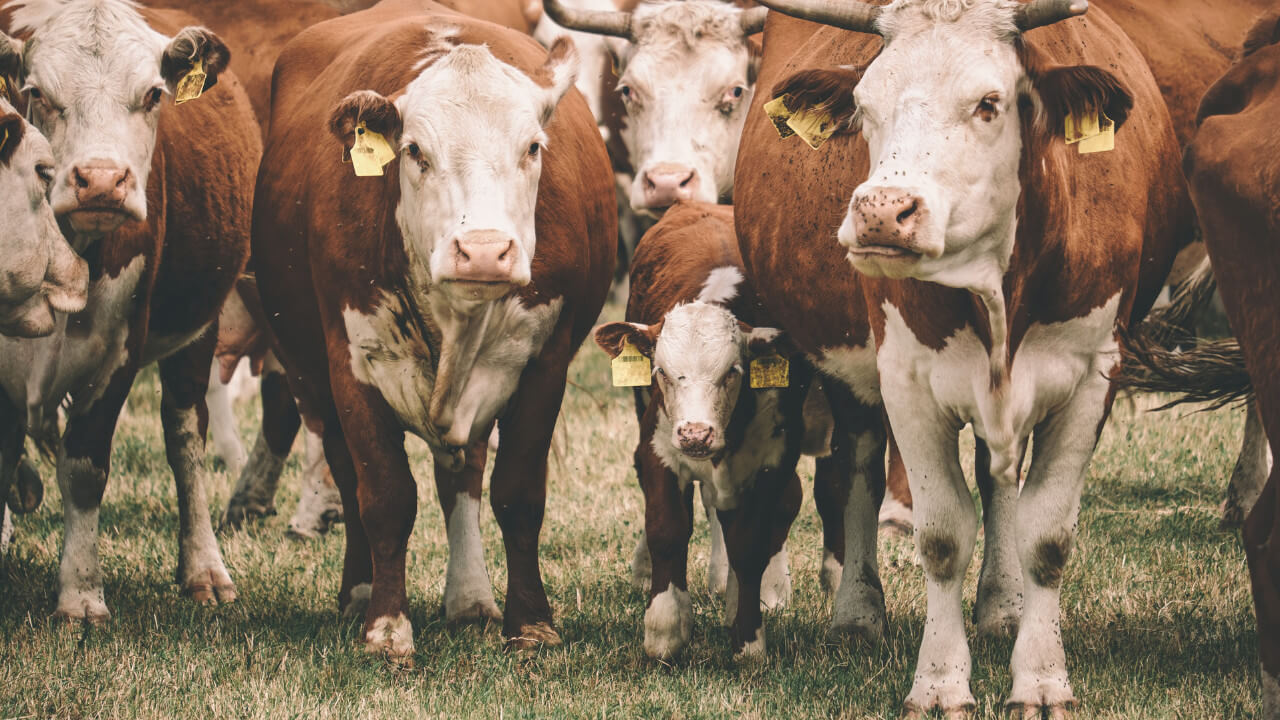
<point x="448" y="294"/>
<point x="991" y="300"/>
<point x="156" y="198"/>
<point x="690" y="313"/>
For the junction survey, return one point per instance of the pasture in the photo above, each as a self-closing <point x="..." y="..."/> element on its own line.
<point x="1156" y="612"/>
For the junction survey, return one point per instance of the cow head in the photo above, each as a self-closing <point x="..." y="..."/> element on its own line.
<point x="946" y="109"/>
<point x="39" y="272"/>
<point x="687" y="77"/>
<point x="470" y="133"/>
<point x="95" y="75"/>
<point x="700" y="355"/>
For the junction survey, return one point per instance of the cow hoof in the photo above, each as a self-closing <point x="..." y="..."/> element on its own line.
<point x="88" y="608"/>
<point x="28" y="489"/>
<point x="752" y="650"/>
<point x="239" y="511"/>
<point x="391" y="636"/>
<point x="912" y="711"/>
<point x="829" y="575"/>
<point x="1032" y="711"/>
<point x="895" y="529"/>
<point x="358" y="602"/>
<point x="534" y="636"/>
<point x="641" y="566"/>
<point x="481" y="612"/>
<point x="210" y="587"/>
<point x="1232" y="516"/>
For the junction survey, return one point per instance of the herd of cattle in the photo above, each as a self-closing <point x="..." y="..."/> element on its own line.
<point x="433" y="217"/>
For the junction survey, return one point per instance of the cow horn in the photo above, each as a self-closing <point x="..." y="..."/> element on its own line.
<point x="856" y="16"/>
<point x="753" y="20"/>
<point x="1039" y="13"/>
<point x="600" y="22"/>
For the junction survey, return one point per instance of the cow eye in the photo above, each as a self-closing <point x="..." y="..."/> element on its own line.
<point x="34" y="92"/>
<point x="731" y="375"/>
<point x="152" y="98"/>
<point x="45" y="171"/>
<point x="533" y="149"/>
<point x="988" y="107"/>
<point x="625" y="91"/>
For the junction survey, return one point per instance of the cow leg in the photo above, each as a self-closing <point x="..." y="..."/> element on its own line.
<point x="895" y="511"/>
<point x="668" y="525"/>
<point x="1046" y="522"/>
<point x="357" y="561"/>
<point x="755" y="534"/>
<point x="222" y="424"/>
<point x="319" y="503"/>
<point x="718" y="565"/>
<point x="830" y="494"/>
<point x="255" y="491"/>
<point x="999" y="602"/>
<point x="1253" y="466"/>
<point x="468" y="593"/>
<point x="184" y="380"/>
<point x="858" y="449"/>
<point x="1261" y="535"/>
<point x="84" y="460"/>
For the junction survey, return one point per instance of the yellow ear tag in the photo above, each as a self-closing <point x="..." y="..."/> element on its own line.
<point x="1081" y="128"/>
<point x="778" y="113"/>
<point x="1102" y="141"/>
<point x="813" y="125"/>
<point x="371" y="152"/>
<point x="3" y="87"/>
<point x="770" y="371"/>
<point x="191" y="84"/>
<point x="630" y="368"/>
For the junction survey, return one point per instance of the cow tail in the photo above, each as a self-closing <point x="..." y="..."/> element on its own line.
<point x="1210" y="372"/>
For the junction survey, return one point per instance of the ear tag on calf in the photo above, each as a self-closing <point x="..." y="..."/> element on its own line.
<point x="371" y="152"/>
<point x="770" y="371"/>
<point x="778" y="113"/>
<point x="1102" y="141"/>
<point x="813" y="125"/>
<point x="191" y="84"/>
<point x="630" y="368"/>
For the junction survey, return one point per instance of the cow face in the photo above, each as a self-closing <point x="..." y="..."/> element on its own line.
<point x="700" y="355"/>
<point x="95" y="75"/>
<point x="687" y="77"/>
<point x="945" y="109"/>
<point x="468" y="169"/>
<point x="39" y="273"/>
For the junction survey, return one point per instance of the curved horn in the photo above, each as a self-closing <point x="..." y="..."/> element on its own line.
<point x="600" y="22"/>
<point x="856" y="16"/>
<point x="1039" y="13"/>
<point x="753" y="20"/>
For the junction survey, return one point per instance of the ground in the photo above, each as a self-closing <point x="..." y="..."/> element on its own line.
<point x="1157" y="617"/>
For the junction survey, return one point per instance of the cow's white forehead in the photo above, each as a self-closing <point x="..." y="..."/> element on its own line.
<point x="992" y="18"/>
<point x="470" y="96"/>
<point x="698" y="340"/>
<point x="689" y="25"/>
<point x="93" y="42"/>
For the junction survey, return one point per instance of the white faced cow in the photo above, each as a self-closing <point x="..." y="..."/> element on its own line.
<point x="156" y="198"/>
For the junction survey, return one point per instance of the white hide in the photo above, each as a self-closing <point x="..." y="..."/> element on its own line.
<point x="390" y="634"/>
<point x="467" y="590"/>
<point x="686" y="82"/>
<point x="668" y="622"/>
<point x="471" y="156"/>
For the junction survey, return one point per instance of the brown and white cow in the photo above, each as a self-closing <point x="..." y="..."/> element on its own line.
<point x="156" y="198"/>
<point x="448" y="294"/>
<point x="691" y="312"/>
<point x="974" y="230"/>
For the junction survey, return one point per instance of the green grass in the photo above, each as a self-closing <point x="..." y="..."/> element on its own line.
<point x="1157" y="617"/>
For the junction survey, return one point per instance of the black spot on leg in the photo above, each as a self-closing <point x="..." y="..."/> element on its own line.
<point x="938" y="552"/>
<point x="1049" y="558"/>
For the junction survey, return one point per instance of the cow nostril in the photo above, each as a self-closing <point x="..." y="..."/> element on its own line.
<point x="122" y="178"/>
<point x="685" y="182"/>
<point x="81" y="180"/>
<point x="909" y="211"/>
<point x="457" y="247"/>
<point x="505" y="253"/>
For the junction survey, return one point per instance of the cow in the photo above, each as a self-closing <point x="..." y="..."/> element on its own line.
<point x="973" y="231"/>
<point x="156" y="197"/>
<point x="1232" y="168"/>
<point x="425" y="305"/>
<point x="694" y="317"/>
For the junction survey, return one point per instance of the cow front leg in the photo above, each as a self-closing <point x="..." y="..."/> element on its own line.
<point x="718" y="563"/>
<point x="999" y="601"/>
<point x="668" y="525"/>
<point x="830" y="494"/>
<point x="468" y="593"/>
<point x="84" y="460"/>
<point x="255" y="492"/>
<point x="1250" y="473"/>
<point x="319" y="502"/>
<point x="184" y="380"/>
<point x="1261" y="534"/>
<point x="223" y="430"/>
<point x="357" y="561"/>
<point x="895" y="511"/>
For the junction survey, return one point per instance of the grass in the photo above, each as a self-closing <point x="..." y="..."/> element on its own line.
<point x="1157" y="616"/>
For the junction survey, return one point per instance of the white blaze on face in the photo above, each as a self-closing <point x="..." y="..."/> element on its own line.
<point x="699" y="360"/>
<point x="686" y="82"/>
<point x="93" y="76"/>
<point x="939" y="110"/>
<point x="471" y="154"/>
<point x="40" y="272"/>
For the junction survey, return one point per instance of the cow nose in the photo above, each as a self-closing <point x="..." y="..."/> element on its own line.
<point x="101" y="185"/>
<point x="667" y="183"/>
<point x="695" y="438"/>
<point x="484" y="256"/>
<point x="887" y="216"/>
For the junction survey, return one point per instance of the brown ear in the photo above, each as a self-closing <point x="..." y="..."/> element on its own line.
<point x="1080" y="90"/>
<point x="11" y="129"/>
<point x="1265" y="32"/>
<point x="188" y="45"/>
<point x="612" y="337"/>
<point x="830" y="90"/>
<point x="365" y="106"/>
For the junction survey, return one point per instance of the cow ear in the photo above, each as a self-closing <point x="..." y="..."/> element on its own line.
<point x="191" y="44"/>
<point x="763" y="341"/>
<point x="11" y="129"/>
<point x="829" y="90"/>
<point x="612" y="337"/>
<point x="365" y="106"/>
<point x="1265" y="32"/>
<point x="10" y="63"/>
<point x="1079" y="91"/>
<point x="561" y="68"/>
